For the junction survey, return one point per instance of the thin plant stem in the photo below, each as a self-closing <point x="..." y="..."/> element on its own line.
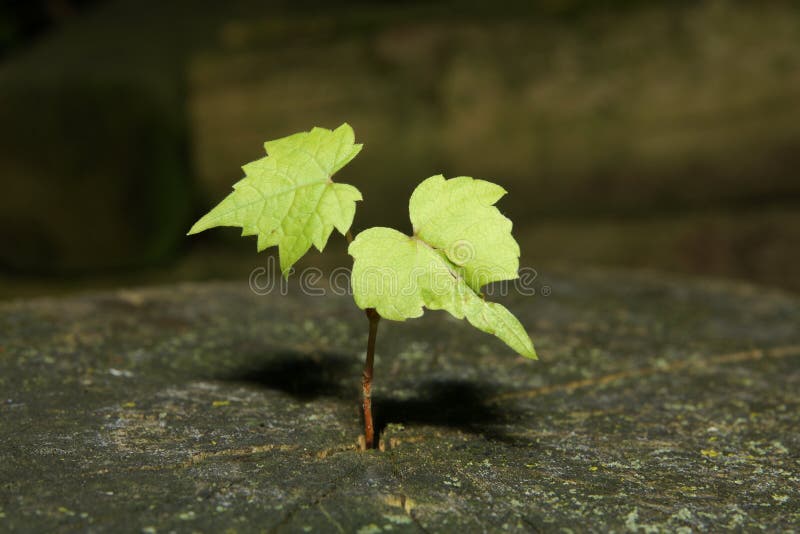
<point x="366" y="382"/>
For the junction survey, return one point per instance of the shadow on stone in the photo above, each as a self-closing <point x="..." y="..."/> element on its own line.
<point x="304" y="376"/>
<point x="456" y="404"/>
<point x="447" y="403"/>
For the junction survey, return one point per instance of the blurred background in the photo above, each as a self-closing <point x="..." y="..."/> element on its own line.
<point x="645" y="134"/>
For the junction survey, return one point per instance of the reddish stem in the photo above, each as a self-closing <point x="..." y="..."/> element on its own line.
<point x="366" y="383"/>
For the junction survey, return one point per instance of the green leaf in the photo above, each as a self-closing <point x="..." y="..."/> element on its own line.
<point x="288" y="198"/>
<point x="461" y="242"/>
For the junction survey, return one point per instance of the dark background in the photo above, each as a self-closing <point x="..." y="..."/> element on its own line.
<point x="660" y="135"/>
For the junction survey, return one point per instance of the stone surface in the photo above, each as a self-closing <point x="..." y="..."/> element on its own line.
<point x="658" y="404"/>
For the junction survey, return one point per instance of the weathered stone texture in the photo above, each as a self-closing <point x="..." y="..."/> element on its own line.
<point x="658" y="404"/>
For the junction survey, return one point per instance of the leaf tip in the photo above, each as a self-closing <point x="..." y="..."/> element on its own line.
<point x="196" y="228"/>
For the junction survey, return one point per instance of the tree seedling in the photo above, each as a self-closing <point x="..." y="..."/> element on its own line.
<point x="460" y="241"/>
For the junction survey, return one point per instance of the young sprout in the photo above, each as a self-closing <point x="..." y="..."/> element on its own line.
<point x="460" y="241"/>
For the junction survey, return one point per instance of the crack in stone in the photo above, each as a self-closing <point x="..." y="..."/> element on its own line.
<point x="332" y="451"/>
<point x="300" y="507"/>
<point x="401" y="500"/>
<point x="330" y="518"/>
<point x="203" y="456"/>
<point x="199" y="457"/>
<point x="569" y="387"/>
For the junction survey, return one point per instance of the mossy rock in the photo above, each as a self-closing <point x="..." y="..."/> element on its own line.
<point x="658" y="404"/>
